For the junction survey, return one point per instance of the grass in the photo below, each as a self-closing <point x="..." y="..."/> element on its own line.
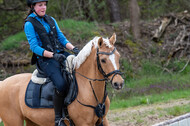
<point x="149" y="99"/>
<point x="178" y="110"/>
<point x="13" y="41"/>
<point x="78" y="30"/>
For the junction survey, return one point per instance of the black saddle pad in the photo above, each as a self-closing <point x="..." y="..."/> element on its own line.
<point x="39" y="95"/>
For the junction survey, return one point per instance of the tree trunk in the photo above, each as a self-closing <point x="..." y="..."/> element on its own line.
<point x="62" y="9"/>
<point x="134" y="18"/>
<point x="86" y="10"/>
<point x="114" y="10"/>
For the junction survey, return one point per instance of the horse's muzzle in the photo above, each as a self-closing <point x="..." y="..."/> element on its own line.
<point x="117" y="82"/>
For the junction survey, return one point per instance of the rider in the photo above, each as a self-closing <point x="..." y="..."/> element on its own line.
<point x="46" y="42"/>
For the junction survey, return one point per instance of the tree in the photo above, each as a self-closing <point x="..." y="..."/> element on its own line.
<point x="11" y="13"/>
<point x="134" y="18"/>
<point x="114" y="10"/>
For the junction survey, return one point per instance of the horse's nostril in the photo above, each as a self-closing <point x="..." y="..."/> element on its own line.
<point x="115" y="84"/>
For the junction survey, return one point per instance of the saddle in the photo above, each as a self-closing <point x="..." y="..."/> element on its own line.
<point x="40" y="89"/>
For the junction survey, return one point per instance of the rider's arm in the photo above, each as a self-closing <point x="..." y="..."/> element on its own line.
<point x="33" y="39"/>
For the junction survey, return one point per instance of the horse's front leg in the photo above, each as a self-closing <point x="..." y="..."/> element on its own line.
<point x="105" y="122"/>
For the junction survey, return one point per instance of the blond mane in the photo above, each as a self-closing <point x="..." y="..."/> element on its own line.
<point x="85" y="52"/>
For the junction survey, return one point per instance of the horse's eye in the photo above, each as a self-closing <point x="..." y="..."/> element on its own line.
<point x="103" y="60"/>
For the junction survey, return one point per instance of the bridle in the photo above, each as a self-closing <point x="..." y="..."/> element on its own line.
<point x="115" y="72"/>
<point x="100" y="108"/>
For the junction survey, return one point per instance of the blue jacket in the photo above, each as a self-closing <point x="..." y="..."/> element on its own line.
<point x="33" y="37"/>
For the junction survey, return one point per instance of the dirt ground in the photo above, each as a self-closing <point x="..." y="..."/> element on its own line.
<point x="143" y="115"/>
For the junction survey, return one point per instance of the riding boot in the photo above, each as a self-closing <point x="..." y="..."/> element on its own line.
<point x="58" y="104"/>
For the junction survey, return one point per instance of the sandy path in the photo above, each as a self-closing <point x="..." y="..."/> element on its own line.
<point x="143" y="115"/>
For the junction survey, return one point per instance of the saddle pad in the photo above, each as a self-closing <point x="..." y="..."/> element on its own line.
<point x="39" y="95"/>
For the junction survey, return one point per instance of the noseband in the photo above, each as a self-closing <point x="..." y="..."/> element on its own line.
<point x="115" y="72"/>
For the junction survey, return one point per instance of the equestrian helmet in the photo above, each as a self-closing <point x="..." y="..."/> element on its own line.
<point x="32" y="2"/>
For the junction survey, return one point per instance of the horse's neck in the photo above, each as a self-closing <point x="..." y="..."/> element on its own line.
<point x="89" y="69"/>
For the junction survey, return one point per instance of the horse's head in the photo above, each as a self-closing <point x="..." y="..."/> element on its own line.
<point x="108" y="61"/>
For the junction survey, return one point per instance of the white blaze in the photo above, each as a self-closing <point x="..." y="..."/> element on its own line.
<point x="112" y="58"/>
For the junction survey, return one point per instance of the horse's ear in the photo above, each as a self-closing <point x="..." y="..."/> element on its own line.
<point x="100" y="41"/>
<point x="113" y="39"/>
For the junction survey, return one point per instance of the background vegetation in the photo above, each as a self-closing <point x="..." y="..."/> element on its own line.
<point x="13" y="12"/>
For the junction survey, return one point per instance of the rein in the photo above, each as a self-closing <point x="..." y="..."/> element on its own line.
<point x="100" y="108"/>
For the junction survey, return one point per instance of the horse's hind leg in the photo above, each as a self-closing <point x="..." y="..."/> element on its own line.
<point x="30" y="123"/>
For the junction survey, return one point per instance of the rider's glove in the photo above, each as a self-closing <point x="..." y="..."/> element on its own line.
<point x="75" y="51"/>
<point x="59" y="57"/>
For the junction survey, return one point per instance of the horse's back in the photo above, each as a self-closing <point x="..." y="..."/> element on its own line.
<point x="12" y="91"/>
<point x="16" y="78"/>
<point x="12" y="87"/>
<point x="13" y="83"/>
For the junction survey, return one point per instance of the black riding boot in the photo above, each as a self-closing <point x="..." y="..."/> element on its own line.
<point x="58" y="104"/>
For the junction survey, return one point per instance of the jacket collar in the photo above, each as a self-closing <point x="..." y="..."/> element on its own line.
<point x="34" y="16"/>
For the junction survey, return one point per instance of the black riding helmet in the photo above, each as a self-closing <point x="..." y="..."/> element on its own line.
<point x="32" y="2"/>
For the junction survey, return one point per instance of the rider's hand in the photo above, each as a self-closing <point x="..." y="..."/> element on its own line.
<point x="75" y="51"/>
<point x="59" y="57"/>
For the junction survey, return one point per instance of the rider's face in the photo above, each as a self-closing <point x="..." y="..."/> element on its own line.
<point x="40" y="8"/>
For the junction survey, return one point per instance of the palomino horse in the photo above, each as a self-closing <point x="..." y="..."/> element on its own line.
<point x="96" y="63"/>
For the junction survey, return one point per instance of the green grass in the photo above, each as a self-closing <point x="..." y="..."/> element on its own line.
<point x="147" y="80"/>
<point x="78" y="30"/>
<point x="152" y="73"/>
<point x="178" y="110"/>
<point x="149" y="99"/>
<point x="13" y="41"/>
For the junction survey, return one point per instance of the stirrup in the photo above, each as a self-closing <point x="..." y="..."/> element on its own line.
<point x="63" y="119"/>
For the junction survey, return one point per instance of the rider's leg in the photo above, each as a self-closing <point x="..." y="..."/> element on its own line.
<point x="58" y="105"/>
<point x="53" y="71"/>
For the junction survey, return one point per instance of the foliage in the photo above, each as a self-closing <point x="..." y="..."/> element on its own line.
<point x="89" y="10"/>
<point x="10" y="23"/>
<point x="79" y="10"/>
<point x="177" y="65"/>
<point x="148" y="10"/>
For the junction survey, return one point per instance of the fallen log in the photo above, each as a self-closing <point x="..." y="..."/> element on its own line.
<point x="159" y="32"/>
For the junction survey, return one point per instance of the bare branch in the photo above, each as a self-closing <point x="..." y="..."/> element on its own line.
<point x="184" y="66"/>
